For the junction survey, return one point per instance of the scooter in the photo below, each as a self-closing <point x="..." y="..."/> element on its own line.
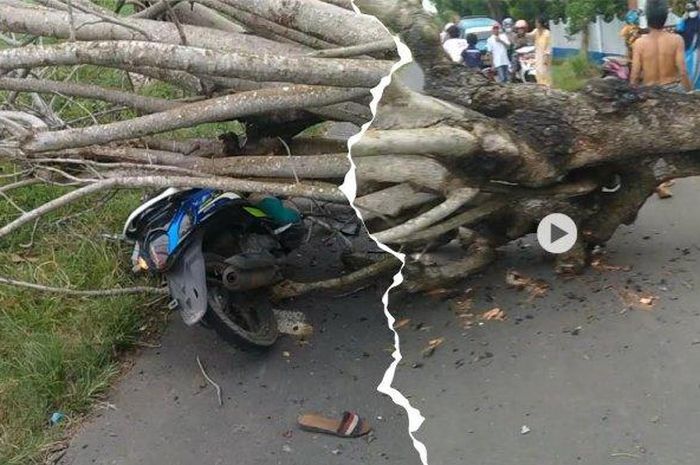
<point x="524" y="64"/>
<point x="616" y="68"/>
<point x="219" y="253"/>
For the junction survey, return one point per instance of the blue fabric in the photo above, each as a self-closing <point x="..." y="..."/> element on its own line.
<point x="689" y="29"/>
<point x="691" y="62"/>
<point x="472" y="58"/>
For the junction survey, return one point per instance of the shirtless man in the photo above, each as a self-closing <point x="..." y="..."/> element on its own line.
<point x="658" y="57"/>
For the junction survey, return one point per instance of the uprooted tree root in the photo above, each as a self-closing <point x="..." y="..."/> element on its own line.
<point x="466" y="159"/>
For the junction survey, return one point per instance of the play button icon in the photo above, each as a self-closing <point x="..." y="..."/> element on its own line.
<point x="557" y="233"/>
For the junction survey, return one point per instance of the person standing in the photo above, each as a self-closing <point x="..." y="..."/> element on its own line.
<point x="498" y="45"/>
<point x="453" y="22"/>
<point x="689" y="29"/>
<point x="454" y="45"/>
<point x="658" y="58"/>
<point x="631" y="30"/>
<point x="471" y="56"/>
<point x="520" y="38"/>
<point x="543" y="52"/>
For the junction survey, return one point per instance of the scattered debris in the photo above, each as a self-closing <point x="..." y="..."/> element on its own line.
<point x="524" y="429"/>
<point x="663" y="190"/>
<point x="626" y="454"/>
<point x="599" y="264"/>
<point x="293" y="323"/>
<point x="535" y="287"/>
<point x="288" y="434"/>
<point x="494" y="314"/>
<point x="401" y="323"/>
<point x="211" y="381"/>
<point x="286" y="354"/>
<point x="56" y="418"/>
<point x="462" y="304"/>
<point x="432" y="345"/>
<point x="641" y="300"/>
<point x="286" y="448"/>
<point x="441" y="293"/>
<point x="486" y="355"/>
<point x="573" y="331"/>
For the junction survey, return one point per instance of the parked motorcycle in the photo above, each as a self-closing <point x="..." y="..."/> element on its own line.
<point x="524" y="64"/>
<point x="219" y="253"/>
<point x="616" y="68"/>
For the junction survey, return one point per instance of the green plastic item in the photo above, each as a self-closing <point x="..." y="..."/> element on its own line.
<point x="275" y="209"/>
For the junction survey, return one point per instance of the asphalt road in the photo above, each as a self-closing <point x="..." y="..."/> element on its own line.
<point x="166" y="413"/>
<point x="594" y="382"/>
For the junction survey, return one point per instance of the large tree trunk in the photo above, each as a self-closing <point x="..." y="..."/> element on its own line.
<point x="466" y="160"/>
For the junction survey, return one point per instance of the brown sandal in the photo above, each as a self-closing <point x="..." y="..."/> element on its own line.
<point x="349" y="426"/>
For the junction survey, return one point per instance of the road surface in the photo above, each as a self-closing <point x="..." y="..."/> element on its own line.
<point x="592" y="382"/>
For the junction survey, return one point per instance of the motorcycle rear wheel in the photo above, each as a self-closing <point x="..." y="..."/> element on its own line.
<point x="240" y="319"/>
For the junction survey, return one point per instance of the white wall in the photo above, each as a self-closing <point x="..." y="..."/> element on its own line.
<point x="604" y="36"/>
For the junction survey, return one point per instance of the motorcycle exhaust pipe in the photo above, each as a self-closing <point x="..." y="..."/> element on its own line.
<point x="236" y="279"/>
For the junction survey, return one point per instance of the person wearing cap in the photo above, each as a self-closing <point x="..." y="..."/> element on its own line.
<point x="498" y="45"/>
<point x="689" y="29"/>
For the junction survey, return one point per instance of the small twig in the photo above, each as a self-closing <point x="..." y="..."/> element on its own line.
<point x="84" y="293"/>
<point x="625" y="454"/>
<point x="289" y="154"/>
<point x="330" y="228"/>
<point x="12" y="203"/>
<point x="113" y="20"/>
<point x="354" y="291"/>
<point x="355" y="50"/>
<point x="210" y="381"/>
<point x="21" y="183"/>
<point x="176" y="20"/>
<point x="71" y="18"/>
<point x="29" y="244"/>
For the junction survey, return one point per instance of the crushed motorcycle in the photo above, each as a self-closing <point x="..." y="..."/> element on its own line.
<point x="219" y="254"/>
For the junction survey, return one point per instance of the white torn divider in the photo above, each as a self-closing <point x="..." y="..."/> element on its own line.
<point x="349" y="188"/>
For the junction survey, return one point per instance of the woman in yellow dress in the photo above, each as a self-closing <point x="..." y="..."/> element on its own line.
<point x="543" y="52"/>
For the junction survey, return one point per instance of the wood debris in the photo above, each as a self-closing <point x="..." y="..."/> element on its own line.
<point x="535" y="287"/>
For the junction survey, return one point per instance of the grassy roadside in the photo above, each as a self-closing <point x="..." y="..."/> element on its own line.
<point x="59" y="353"/>
<point x="571" y="74"/>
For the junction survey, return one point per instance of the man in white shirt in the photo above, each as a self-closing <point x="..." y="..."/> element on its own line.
<point x="443" y="34"/>
<point x="454" y="46"/>
<point x="498" y="45"/>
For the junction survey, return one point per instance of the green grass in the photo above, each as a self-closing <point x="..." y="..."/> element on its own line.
<point x="61" y="353"/>
<point x="573" y="73"/>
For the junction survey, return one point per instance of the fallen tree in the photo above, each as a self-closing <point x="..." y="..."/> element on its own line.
<point x="465" y="159"/>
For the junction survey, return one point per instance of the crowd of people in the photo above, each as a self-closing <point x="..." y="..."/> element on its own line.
<point x="659" y="55"/>
<point x="501" y="45"/>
